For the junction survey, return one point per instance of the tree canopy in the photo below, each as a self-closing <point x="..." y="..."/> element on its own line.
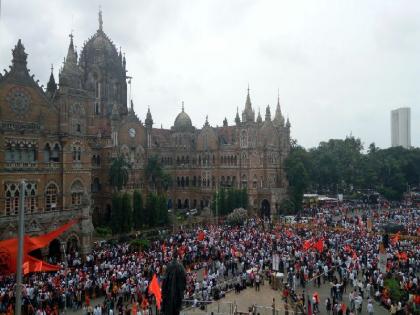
<point x="342" y="166"/>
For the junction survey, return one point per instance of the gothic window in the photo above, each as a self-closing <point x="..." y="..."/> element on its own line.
<point x="11" y="192"/>
<point x="228" y="181"/>
<point x="255" y="182"/>
<point x="77" y="153"/>
<point x="51" y="193"/>
<point x="97" y="108"/>
<point x="31" y="198"/>
<point x="96" y="185"/>
<point x="244" y="181"/>
<point x="20" y="151"/>
<point x="178" y="182"/>
<point x="77" y="191"/>
<point x="244" y="139"/>
<point x="187" y="181"/>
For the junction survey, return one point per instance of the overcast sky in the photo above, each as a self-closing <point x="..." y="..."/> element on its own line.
<point x="340" y="66"/>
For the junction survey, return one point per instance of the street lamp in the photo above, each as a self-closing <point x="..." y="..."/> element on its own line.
<point x="21" y="233"/>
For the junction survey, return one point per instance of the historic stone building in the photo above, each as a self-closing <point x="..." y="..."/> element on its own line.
<point x="62" y="139"/>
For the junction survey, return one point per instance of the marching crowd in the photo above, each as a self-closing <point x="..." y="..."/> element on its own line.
<point x="346" y="258"/>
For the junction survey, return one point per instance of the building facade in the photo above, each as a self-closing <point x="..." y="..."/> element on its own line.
<point x="62" y="140"/>
<point x="401" y="127"/>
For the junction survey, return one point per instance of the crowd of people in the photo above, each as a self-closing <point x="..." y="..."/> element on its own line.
<point x="236" y="257"/>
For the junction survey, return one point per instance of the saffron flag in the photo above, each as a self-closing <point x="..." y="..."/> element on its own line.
<point x="201" y="235"/>
<point x="307" y="244"/>
<point x="319" y="245"/>
<point x="154" y="289"/>
<point x="9" y="249"/>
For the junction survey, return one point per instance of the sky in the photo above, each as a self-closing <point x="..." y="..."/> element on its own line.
<point x="339" y="67"/>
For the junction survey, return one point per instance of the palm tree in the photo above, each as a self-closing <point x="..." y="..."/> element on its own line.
<point x="119" y="172"/>
<point x="155" y="175"/>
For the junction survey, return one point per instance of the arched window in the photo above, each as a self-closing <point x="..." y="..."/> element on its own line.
<point x="12" y="198"/>
<point x="55" y="153"/>
<point x="96" y="185"/>
<point x="47" y="153"/>
<point x="77" y="191"/>
<point x="51" y="193"/>
<point x="254" y="182"/>
<point x="244" y="139"/>
<point x="244" y="181"/>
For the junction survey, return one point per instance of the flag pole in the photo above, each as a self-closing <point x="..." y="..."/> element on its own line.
<point x="21" y="233"/>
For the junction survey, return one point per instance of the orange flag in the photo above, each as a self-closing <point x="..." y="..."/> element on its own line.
<point x="9" y="249"/>
<point x="154" y="289"/>
<point x="201" y="235"/>
<point x="319" y="245"/>
<point x="307" y="244"/>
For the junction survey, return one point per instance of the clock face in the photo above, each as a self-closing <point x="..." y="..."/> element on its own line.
<point x="132" y="132"/>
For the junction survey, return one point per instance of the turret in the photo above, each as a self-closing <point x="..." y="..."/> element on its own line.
<point x="225" y="122"/>
<point x="278" y="120"/>
<point x="51" y="85"/>
<point x="259" y="119"/>
<point x="267" y="113"/>
<point x="70" y="74"/>
<point x="237" y="119"/>
<point x="248" y="115"/>
<point x="148" y="121"/>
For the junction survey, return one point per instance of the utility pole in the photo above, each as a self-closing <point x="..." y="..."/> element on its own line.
<point x="21" y="233"/>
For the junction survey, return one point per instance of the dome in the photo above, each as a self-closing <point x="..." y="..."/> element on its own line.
<point x="99" y="47"/>
<point x="183" y="121"/>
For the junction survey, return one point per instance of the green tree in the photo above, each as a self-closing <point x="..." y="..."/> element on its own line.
<point x="138" y="211"/>
<point x="162" y="211"/>
<point x="150" y="210"/>
<point x="119" y="172"/>
<point x="116" y="217"/>
<point x="297" y="175"/>
<point x="126" y="214"/>
<point x="157" y="179"/>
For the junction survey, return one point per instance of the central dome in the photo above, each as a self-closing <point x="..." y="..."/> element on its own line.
<point x="182" y="121"/>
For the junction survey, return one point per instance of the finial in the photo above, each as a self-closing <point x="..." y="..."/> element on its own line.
<point x="182" y="106"/>
<point x="248" y="88"/>
<point x="237" y="109"/>
<point x="52" y="68"/>
<point x="71" y="38"/>
<point x="278" y="96"/>
<point x="100" y="18"/>
<point x="132" y="105"/>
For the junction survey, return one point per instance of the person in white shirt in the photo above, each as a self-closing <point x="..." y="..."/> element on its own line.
<point x="370" y="308"/>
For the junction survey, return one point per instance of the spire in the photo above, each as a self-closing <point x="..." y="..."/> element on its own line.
<point x="51" y="85"/>
<point x="248" y="114"/>
<point x="148" y="121"/>
<point x="70" y="74"/>
<point x="207" y="121"/>
<point x="237" y="119"/>
<point x="278" y="117"/>
<point x="71" y="53"/>
<point x="287" y="123"/>
<point x="100" y="18"/>
<point x="267" y="113"/>
<point x="182" y="106"/>
<point x="259" y="119"/>
<point x="225" y="122"/>
<point x="19" y="56"/>
<point x="131" y="106"/>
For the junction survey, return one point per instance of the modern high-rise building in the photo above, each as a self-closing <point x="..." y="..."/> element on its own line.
<point x="401" y="127"/>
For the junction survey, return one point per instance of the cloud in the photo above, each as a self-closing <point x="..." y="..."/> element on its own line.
<point x="340" y="66"/>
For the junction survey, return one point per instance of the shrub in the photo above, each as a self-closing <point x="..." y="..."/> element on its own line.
<point x="140" y="244"/>
<point x="237" y="217"/>
<point x="103" y="231"/>
<point x="395" y="291"/>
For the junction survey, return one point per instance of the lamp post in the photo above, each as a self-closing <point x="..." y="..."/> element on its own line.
<point x="21" y="233"/>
